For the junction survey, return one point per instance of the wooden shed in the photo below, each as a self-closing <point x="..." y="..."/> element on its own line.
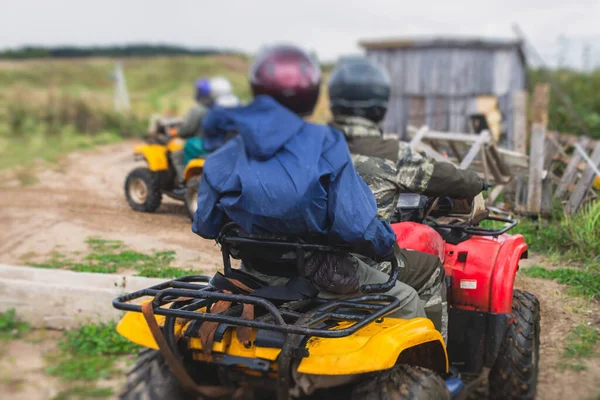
<point x="440" y="82"/>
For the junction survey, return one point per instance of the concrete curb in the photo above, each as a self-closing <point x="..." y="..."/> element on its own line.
<point x="58" y="299"/>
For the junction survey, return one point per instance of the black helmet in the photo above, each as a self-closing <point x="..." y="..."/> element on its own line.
<point x="359" y="87"/>
<point x="289" y="75"/>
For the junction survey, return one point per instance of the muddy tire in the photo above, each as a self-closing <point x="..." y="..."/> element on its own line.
<point x="191" y="195"/>
<point x="402" y="382"/>
<point x="142" y="190"/>
<point x="151" y="379"/>
<point x="515" y="373"/>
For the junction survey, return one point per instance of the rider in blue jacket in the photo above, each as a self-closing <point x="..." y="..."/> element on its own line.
<point x="281" y="174"/>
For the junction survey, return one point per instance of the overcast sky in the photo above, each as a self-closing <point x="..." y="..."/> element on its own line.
<point x="330" y="27"/>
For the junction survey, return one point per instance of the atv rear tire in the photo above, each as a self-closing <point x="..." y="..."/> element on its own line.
<point x="402" y="382"/>
<point x="142" y="190"/>
<point x="191" y="195"/>
<point x="515" y="373"/>
<point x="151" y="379"/>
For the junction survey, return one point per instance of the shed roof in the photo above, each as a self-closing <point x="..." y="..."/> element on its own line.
<point x="441" y="42"/>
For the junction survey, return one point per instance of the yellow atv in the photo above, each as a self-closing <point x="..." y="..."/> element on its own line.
<point x="232" y="336"/>
<point x="145" y="186"/>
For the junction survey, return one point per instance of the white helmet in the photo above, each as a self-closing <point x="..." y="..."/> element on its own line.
<point x="228" y="100"/>
<point x="220" y="86"/>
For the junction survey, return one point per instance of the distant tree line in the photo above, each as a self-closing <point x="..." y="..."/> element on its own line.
<point x="132" y="50"/>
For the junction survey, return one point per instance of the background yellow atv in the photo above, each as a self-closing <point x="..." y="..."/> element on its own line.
<point x="145" y="186"/>
<point x="231" y="336"/>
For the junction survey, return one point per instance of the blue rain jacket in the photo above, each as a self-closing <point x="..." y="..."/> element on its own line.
<point x="283" y="175"/>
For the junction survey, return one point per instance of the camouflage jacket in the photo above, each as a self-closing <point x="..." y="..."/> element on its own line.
<point x="192" y="123"/>
<point x="390" y="167"/>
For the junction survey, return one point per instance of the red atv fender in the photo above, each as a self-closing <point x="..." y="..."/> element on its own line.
<point x="482" y="268"/>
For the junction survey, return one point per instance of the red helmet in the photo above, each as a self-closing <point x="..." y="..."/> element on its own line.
<point x="289" y="75"/>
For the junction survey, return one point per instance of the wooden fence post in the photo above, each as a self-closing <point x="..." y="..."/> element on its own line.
<point x="541" y="97"/>
<point x="519" y="139"/>
<point x="580" y="191"/>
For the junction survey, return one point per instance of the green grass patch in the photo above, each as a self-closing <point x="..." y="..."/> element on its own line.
<point x="584" y="283"/>
<point x="10" y="326"/>
<point x="565" y="239"/>
<point x="97" y="339"/>
<point x="85" y="368"/>
<point x="83" y="393"/>
<point x="111" y="256"/>
<point x="90" y="353"/>
<point x="581" y="344"/>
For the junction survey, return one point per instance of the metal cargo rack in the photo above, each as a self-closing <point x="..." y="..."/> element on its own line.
<point x="361" y="310"/>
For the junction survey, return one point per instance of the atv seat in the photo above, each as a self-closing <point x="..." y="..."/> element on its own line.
<point x="285" y="256"/>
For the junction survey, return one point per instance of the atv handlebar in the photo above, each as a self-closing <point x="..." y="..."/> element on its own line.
<point x="476" y="230"/>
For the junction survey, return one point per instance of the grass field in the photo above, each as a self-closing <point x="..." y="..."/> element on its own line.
<point x="49" y="107"/>
<point x="161" y="84"/>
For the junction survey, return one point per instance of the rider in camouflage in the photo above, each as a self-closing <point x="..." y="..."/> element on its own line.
<point x="359" y="92"/>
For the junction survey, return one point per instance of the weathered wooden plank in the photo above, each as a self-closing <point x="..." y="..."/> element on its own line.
<point x="546" y="204"/>
<point x="536" y="168"/>
<point x="520" y="121"/>
<point x="551" y="149"/>
<point x="498" y="161"/>
<point x="541" y="98"/>
<point x="416" y="140"/>
<point x="590" y="162"/>
<point x="486" y="167"/>
<point x="513" y="159"/>
<point x="494" y="167"/>
<point x="455" y="151"/>
<point x="434" y="146"/>
<point x="520" y="205"/>
<point x="555" y="140"/>
<point x="580" y="191"/>
<point x="571" y="170"/>
<point x="430" y="152"/>
<point x="452" y="136"/>
<point x="484" y="137"/>
<point x="496" y="191"/>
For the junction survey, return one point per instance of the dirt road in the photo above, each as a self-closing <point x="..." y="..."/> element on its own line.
<point x="83" y="197"/>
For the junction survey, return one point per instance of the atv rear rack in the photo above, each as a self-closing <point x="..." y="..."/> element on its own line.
<point x="362" y="310"/>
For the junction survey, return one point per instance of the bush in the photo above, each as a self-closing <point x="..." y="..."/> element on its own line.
<point x="583" y="90"/>
<point x="567" y="238"/>
<point x="582" y="230"/>
<point x="127" y="125"/>
<point x="21" y="118"/>
<point x="26" y="117"/>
